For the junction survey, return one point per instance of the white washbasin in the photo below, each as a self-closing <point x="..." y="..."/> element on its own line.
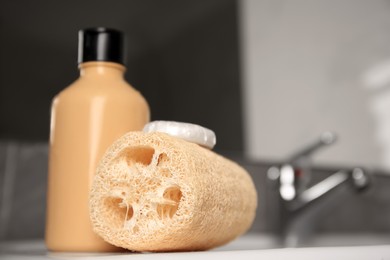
<point x="246" y="247"/>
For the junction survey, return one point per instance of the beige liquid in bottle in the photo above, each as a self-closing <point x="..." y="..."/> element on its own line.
<point x="87" y="117"/>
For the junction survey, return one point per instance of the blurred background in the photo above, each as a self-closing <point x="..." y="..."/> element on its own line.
<point x="267" y="76"/>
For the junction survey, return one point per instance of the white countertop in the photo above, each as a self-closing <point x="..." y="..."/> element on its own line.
<point x="246" y="247"/>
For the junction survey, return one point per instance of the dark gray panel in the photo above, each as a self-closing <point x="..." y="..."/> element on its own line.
<point x="183" y="56"/>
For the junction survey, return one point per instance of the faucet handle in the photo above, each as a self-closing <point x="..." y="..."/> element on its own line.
<point x="326" y="138"/>
<point x="295" y="175"/>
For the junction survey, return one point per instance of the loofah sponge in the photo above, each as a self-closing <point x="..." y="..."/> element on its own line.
<point x="155" y="192"/>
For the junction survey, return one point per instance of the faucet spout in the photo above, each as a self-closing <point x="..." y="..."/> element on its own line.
<point x="319" y="190"/>
<point x="299" y="202"/>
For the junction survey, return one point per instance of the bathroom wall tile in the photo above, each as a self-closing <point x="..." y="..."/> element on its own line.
<point x="25" y="203"/>
<point x="312" y="66"/>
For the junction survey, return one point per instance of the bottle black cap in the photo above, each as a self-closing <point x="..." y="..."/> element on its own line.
<point x="101" y="44"/>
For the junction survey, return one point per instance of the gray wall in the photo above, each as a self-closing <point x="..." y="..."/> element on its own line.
<point x="311" y="66"/>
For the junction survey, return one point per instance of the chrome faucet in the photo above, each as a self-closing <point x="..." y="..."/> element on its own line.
<point x="298" y="201"/>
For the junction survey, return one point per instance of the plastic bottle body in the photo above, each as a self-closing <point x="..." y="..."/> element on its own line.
<point x="86" y="118"/>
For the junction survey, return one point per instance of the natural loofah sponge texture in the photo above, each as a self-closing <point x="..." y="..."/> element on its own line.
<point x="155" y="192"/>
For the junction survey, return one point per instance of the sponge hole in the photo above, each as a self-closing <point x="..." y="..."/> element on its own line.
<point x="129" y="213"/>
<point x="139" y="154"/>
<point x="117" y="212"/>
<point x="162" y="159"/>
<point x="173" y="194"/>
